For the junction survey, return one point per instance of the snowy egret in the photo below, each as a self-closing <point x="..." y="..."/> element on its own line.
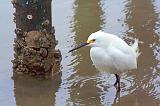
<point x="111" y="54"/>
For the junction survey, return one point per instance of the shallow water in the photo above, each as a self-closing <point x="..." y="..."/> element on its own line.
<point x="81" y="84"/>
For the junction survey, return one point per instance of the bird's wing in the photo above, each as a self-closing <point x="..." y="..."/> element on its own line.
<point x="121" y="57"/>
<point x="122" y="46"/>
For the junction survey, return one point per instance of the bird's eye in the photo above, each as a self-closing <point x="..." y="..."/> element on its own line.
<point x="93" y="40"/>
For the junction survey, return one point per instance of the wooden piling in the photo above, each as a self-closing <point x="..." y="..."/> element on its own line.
<point x="34" y="45"/>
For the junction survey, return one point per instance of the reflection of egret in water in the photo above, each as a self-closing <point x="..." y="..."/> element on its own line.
<point x="141" y="19"/>
<point x="87" y="19"/>
<point x="34" y="92"/>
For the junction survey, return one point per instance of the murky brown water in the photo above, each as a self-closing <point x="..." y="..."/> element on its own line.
<point x="81" y="84"/>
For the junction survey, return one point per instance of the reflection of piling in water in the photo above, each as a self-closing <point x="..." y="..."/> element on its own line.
<point x="141" y="19"/>
<point x="87" y="19"/>
<point x="34" y="46"/>
<point x="36" y="92"/>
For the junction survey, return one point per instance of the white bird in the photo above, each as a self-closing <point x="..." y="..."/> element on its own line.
<point x="111" y="54"/>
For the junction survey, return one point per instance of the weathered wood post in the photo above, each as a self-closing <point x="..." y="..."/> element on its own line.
<point x="34" y="45"/>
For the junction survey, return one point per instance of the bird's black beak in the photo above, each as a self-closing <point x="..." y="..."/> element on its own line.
<point x="79" y="46"/>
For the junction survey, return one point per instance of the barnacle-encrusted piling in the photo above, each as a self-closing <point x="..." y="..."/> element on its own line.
<point x="34" y="45"/>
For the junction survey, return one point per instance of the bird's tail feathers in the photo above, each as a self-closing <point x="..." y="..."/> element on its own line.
<point x="135" y="47"/>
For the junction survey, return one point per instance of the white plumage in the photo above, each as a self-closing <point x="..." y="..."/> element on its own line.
<point x="111" y="54"/>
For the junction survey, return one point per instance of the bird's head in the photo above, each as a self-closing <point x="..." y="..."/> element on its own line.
<point x="96" y="39"/>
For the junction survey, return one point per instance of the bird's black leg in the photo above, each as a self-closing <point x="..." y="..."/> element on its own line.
<point x="117" y="79"/>
<point x="117" y="82"/>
